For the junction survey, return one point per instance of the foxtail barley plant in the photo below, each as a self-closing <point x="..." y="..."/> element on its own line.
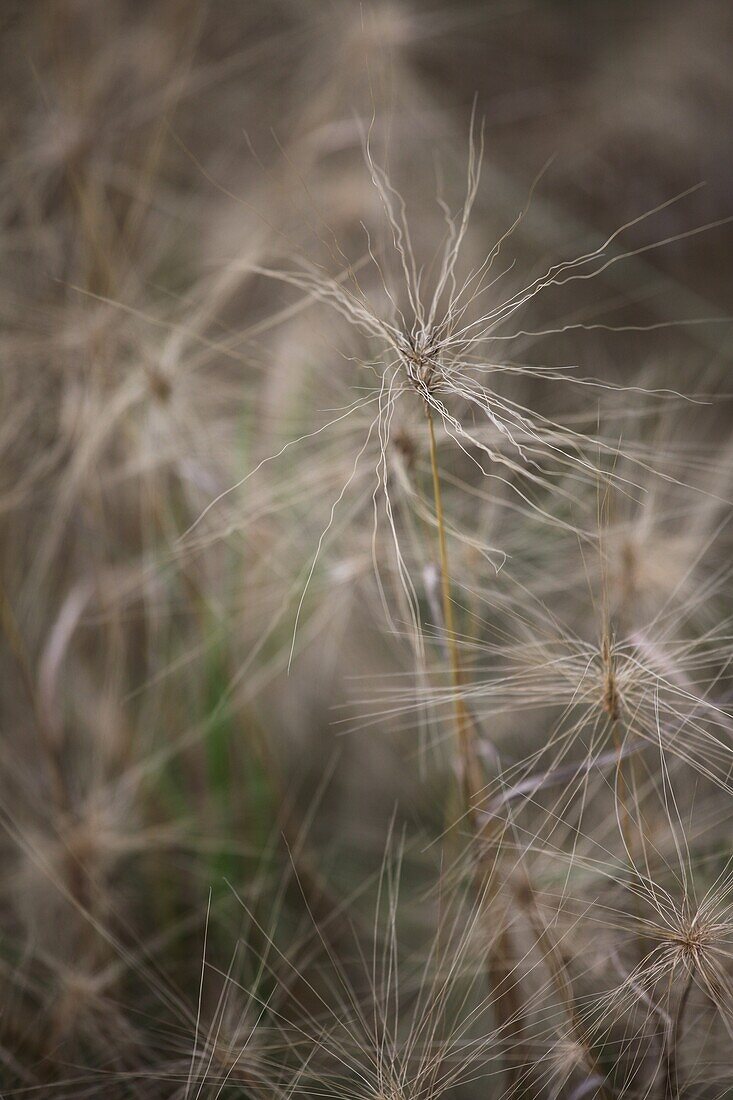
<point x="365" y="565"/>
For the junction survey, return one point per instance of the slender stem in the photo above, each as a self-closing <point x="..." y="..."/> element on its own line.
<point x="558" y="966"/>
<point x="499" y="966"/>
<point x="470" y="773"/>
<point x="626" y="787"/>
<point x="670" y="1084"/>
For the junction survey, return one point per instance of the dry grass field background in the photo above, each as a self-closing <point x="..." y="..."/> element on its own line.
<point x="366" y="565"/>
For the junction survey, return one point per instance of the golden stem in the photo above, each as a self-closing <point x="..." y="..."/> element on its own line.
<point x="625" y="792"/>
<point x="470" y="773"/>
<point x="499" y="966"/>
